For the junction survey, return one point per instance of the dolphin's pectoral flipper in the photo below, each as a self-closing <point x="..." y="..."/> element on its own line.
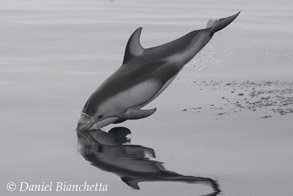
<point x="120" y="120"/>
<point x="130" y="182"/>
<point x="133" y="47"/>
<point x="138" y="113"/>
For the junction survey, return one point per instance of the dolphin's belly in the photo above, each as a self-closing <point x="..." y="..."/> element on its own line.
<point x="135" y="96"/>
<point x="162" y="88"/>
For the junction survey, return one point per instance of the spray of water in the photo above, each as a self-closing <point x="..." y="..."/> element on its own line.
<point x="211" y="54"/>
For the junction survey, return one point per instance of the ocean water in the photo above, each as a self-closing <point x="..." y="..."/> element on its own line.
<point x="55" y="53"/>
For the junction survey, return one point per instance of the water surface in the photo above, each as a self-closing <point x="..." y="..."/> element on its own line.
<point x="54" y="54"/>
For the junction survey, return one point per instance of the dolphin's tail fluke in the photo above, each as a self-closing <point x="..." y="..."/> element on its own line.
<point x="217" y="25"/>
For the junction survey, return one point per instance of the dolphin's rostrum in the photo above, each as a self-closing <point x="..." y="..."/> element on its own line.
<point x="144" y="74"/>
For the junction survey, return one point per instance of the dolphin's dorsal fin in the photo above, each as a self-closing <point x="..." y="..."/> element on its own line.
<point x="130" y="182"/>
<point x="133" y="47"/>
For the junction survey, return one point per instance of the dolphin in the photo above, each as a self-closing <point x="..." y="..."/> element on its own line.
<point x="109" y="152"/>
<point x="144" y="74"/>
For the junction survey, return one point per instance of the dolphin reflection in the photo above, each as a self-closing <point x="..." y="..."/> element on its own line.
<point x="111" y="151"/>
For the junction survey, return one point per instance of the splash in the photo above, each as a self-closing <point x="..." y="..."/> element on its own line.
<point x="211" y="54"/>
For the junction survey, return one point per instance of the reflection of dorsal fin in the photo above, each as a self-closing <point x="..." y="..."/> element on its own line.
<point x="120" y="134"/>
<point x="133" y="47"/>
<point x="130" y="182"/>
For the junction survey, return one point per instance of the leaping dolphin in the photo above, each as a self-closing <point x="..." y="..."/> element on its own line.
<point x="144" y="74"/>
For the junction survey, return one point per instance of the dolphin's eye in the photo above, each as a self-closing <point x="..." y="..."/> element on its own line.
<point x="100" y="116"/>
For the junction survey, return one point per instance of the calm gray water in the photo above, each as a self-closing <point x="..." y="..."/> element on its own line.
<point x="55" y="53"/>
